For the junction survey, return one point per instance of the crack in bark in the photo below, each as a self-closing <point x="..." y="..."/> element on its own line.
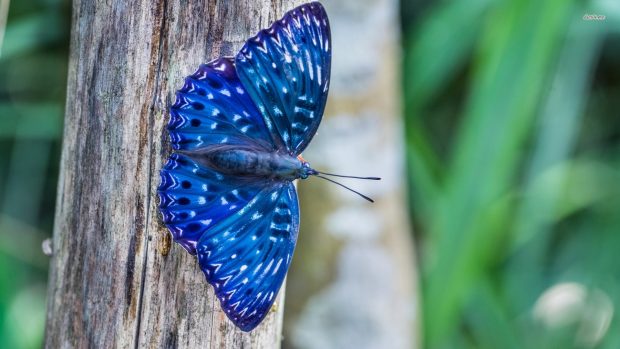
<point x="152" y="112"/>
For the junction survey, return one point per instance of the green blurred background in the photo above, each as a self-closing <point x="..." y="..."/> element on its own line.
<point x="512" y="114"/>
<point x="33" y="74"/>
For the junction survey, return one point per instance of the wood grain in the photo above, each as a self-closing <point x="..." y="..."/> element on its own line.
<point x="116" y="281"/>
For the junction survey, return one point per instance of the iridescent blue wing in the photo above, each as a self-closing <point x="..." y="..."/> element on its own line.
<point x="213" y="107"/>
<point x="285" y="69"/>
<point x="194" y="198"/>
<point x="246" y="257"/>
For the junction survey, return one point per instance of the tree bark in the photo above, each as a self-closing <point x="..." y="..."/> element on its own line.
<point x="116" y="280"/>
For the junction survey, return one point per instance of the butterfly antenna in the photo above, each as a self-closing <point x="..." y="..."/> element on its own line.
<point x="342" y="176"/>
<point x="344" y="186"/>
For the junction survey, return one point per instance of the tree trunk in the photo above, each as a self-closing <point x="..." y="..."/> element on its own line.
<point x="116" y="280"/>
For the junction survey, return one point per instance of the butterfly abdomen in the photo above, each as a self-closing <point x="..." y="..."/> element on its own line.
<point x="249" y="162"/>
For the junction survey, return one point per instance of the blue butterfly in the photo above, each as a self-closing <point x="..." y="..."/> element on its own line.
<point x="238" y="126"/>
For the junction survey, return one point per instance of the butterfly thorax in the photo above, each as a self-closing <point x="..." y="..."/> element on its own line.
<point x="251" y="163"/>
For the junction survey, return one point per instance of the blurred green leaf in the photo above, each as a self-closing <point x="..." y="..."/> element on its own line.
<point x="32" y="91"/>
<point x="27" y="248"/>
<point x="488" y="320"/>
<point x="438" y="46"/>
<point x="521" y="39"/>
<point x="432" y="56"/>
<point x="24" y="35"/>
<point x="560" y="121"/>
<point x="36" y="120"/>
<point x="26" y="317"/>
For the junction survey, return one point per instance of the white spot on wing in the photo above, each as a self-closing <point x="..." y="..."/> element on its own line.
<point x="275" y="270"/>
<point x="269" y="266"/>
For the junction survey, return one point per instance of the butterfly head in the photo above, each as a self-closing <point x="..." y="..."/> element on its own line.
<point x="306" y="170"/>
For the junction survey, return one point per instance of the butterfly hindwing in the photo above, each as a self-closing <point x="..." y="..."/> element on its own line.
<point x="246" y="256"/>
<point x="194" y="198"/>
<point x="286" y="71"/>
<point x="213" y="107"/>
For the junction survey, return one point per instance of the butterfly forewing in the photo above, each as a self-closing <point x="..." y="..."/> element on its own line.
<point x="246" y="257"/>
<point x="286" y="71"/>
<point x="214" y="108"/>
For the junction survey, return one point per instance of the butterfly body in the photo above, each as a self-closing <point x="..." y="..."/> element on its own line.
<point x="252" y="163"/>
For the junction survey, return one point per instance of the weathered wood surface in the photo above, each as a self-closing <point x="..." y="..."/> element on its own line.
<point x="115" y="281"/>
<point x="352" y="281"/>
